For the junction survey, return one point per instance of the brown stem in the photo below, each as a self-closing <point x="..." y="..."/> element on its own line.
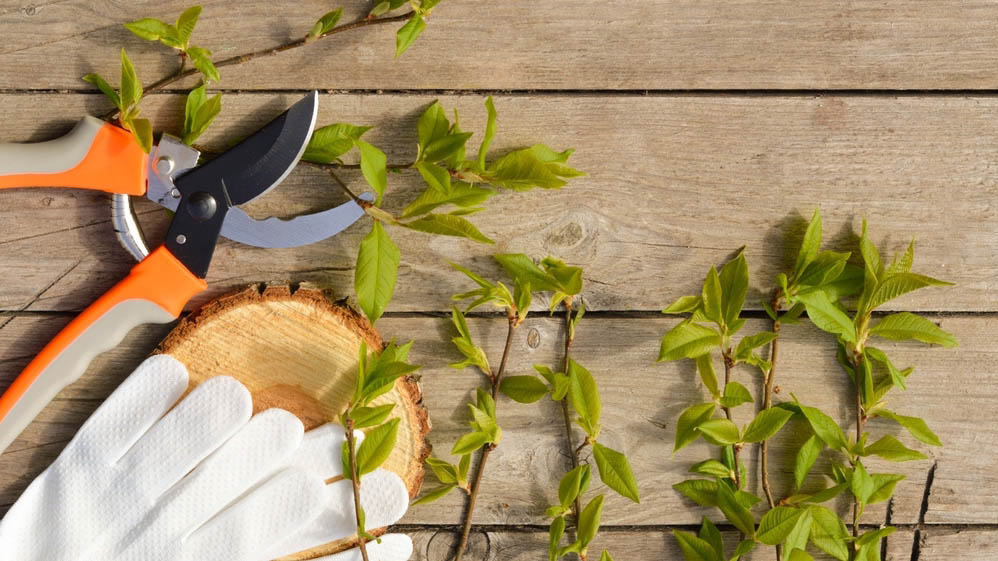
<point x="246" y="57"/>
<point x="354" y="166"/>
<point x="362" y="543"/>
<point x="729" y="363"/>
<point x="573" y="451"/>
<point x="860" y="423"/>
<point x="766" y="404"/>
<point x="361" y="202"/>
<point x="476" y="483"/>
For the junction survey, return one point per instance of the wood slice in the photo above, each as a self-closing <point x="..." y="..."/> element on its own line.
<point x="296" y="350"/>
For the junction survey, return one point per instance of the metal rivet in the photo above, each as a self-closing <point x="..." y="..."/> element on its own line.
<point x="164" y="165"/>
<point x="175" y="193"/>
<point x="181" y="239"/>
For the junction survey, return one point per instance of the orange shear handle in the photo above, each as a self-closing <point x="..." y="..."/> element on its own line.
<point x="155" y="291"/>
<point x="94" y="155"/>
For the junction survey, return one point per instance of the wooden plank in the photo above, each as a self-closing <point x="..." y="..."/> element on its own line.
<point x="521" y="44"/>
<point x="963" y="544"/>
<point x="954" y="389"/>
<point x="675" y="184"/>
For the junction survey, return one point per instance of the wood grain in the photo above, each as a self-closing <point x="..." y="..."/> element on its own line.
<point x="641" y="403"/>
<point x="676" y="183"/>
<point x="528" y="45"/>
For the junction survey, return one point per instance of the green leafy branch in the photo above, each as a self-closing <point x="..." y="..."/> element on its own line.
<point x="200" y="110"/>
<point x="818" y="283"/>
<point x="452" y="180"/>
<point x="376" y="375"/>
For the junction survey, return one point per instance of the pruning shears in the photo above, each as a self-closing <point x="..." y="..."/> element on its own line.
<point x="101" y="156"/>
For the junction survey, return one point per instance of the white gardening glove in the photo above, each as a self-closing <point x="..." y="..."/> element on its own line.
<point x="97" y="502"/>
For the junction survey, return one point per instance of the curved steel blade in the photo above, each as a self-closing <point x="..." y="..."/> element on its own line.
<point x="262" y="160"/>
<point x="294" y="232"/>
<point x="242" y="173"/>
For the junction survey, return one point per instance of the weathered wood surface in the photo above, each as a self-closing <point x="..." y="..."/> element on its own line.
<point x="523" y="44"/>
<point x="676" y="183"/>
<point x="641" y="402"/>
<point x="678" y="180"/>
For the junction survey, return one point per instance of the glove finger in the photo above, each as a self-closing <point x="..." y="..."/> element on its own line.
<point x="252" y="455"/>
<point x="206" y="418"/>
<point x="321" y="451"/>
<point x="392" y="547"/>
<point x="245" y="530"/>
<point x="141" y="400"/>
<point x="383" y="497"/>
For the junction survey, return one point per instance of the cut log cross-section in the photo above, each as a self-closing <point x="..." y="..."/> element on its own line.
<point x="296" y="350"/>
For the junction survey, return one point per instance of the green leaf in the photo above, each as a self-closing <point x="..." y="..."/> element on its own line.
<point x="332" y="141"/>
<point x="825" y="427"/>
<point x="883" y="485"/>
<point x="445" y="472"/>
<point x="325" y="24"/>
<point x="142" y="131"/>
<point x="373" y="165"/>
<point x="744" y="547"/>
<point x="151" y="29"/>
<point x="806" y="456"/>
<point x="490" y="132"/>
<point x="688" y="340"/>
<point x="463" y="465"/>
<point x="408" y="33"/>
<point x="689" y="421"/>
<point x="443" y="147"/>
<point x="766" y="424"/>
<point x="700" y="491"/>
<point x="436" y="177"/>
<point x="474" y="355"/>
<point x="734" y="279"/>
<point x="890" y="448"/>
<point x="903" y="326"/>
<point x="861" y="484"/>
<point x="827" y="316"/>
<point x="894" y="285"/>
<point x="710" y="534"/>
<point x="711" y="296"/>
<point x="615" y="471"/>
<point x="522" y="170"/>
<point x="809" y="245"/>
<point x="829" y="493"/>
<point x="798" y="537"/>
<point x="735" y="512"/>
<point x="364" y="417"/>
<point x="799" y="555"/>
<point x="201" y="59"/>
<point x="555" y="533"/>
<point x="583" y="395"/>
<point x="871" y="256"/>
<point x="719" y="431"/>
<point x="751" y="342"/>
<point x="711" y="467"/>
<point x="694" y="548"/>
<point x="459" y="193"/>
<point x="469" y="442"/>
<point x="202" y="118"/>
<point x="914" y="425"/>
<point x="573" y="484"/>
<point x="589" y="520"/>
<point x="375" y="275"/>
<point x="186" y="22"/>
<point x="605" y="556"/>
<point x="826" y="268"/>
<point x="829" y="533"/>
<point x="523" y="389"/>
<point x="705" y="366"/>
<point x="131" y="87"/>
<point x="448" y="225"/>
<point x="735" y="394"/>
<point x="776" y="524"/>
<point x="432" y="125"/>
<point x="897" y="378"/>
<point x="433" y="495"/>
<point x="105" y="88"/>
<point x="684" y="305"/>
<point x="376" y="447"/>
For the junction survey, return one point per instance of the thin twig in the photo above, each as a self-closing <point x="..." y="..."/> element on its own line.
<point x="337" y="165"/>
<point x="729" y="363"/>
<point x="476" y="483"/>
<point x="767" y="403"/>
<point x="362" y="544"/>
<point x="860" y="422"/>
<point x="361" y="202"/>
<point x="573" y="452"/>
<point x="246" y="57"/>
